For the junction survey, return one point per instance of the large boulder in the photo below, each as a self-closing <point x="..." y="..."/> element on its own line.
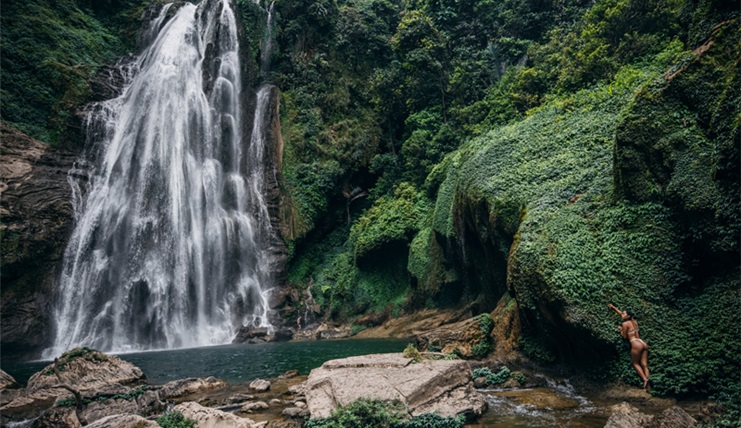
<point x="86" y="370"/>
<point x="443" y="386"/>
<point x="626" y="416"/>
<point x="58" y="417"/>
<point x="146" y="403"/>
<point x="93" y="375"/>
<point x="7" y="381"/>
<point x="673" y="417"/>
<point x="212" y="418"/>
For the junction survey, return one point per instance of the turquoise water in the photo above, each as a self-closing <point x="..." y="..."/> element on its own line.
<point x="235" y="363"/>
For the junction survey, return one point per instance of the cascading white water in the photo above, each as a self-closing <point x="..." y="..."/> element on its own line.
<point x="167" y="251"/>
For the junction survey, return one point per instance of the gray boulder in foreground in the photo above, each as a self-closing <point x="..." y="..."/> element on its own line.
<point x="442" y="386"/>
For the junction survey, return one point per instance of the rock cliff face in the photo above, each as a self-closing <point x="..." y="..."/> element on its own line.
<point x="273" y="179"/>
<point x="37" y="216"/>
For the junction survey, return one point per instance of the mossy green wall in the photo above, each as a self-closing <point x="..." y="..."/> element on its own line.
<point x="606" y="193"/>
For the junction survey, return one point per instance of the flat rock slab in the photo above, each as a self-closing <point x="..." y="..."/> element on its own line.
<point x="442" y="386"/>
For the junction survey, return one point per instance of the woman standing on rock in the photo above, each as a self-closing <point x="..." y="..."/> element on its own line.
<point x="638" y="348"/>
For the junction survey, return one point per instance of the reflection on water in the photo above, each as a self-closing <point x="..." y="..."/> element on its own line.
<point x="235" y="363"/>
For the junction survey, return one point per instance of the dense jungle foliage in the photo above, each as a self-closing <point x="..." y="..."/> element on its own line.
<point x="568" y="154"/>
<point x="441" y="153"/>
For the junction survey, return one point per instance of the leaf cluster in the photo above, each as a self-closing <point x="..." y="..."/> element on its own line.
<point x="379" y="414"/>
<point x="175" y="419"/>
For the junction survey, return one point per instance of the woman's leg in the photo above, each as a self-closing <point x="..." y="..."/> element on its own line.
<point x="635" y="356"/>
<point x="644" y="364"/>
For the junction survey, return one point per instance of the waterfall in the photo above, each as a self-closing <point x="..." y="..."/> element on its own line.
<point x="168" y="246"/>
<point x="267" y="45"/>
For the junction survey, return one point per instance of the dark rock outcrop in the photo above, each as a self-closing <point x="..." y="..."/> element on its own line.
<point x="37" y="214"/>
<point x="273" y="177"/>
<point x="261" y="335"/>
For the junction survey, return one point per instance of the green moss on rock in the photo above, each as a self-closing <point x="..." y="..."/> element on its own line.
<point x="393" y="218"/>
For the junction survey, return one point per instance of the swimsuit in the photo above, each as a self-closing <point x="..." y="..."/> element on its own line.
<point x="635" y="330"/>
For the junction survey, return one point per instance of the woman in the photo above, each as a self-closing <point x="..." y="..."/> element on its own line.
<point x="638" y="348"/>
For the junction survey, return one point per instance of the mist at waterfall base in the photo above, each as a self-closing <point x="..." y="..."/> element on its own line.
<point x="168" y="249"/>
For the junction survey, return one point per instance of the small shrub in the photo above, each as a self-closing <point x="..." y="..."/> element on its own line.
<point x="492" y="378"/>
<point x="174" y="419"/>
<point x="412" y="352"/>
<point x="357" y="329"/>
<point x="362" y="413"/>
<point x="434" y="348"/>
<point x="66" y="402"/>
<point x="431" y="420"/>
<point x="379" y="414"/>
<point x="482" y="348"/>
<point x="486" y="323"/>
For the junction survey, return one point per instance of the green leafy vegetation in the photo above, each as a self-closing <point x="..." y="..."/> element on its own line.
<point x="486" y="323"/>
<point x="412" y="352"/>
<point x="439" y="153"/>
<point x="570" y="155"/>
<point x="374" y="413"/>
<point x="175" y="419"/>
<point x="492" y="378"/>
<point x="50" y="51"/>
<point x="393" y="218"/>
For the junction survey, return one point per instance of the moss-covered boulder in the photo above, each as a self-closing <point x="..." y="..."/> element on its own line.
<point x="601" y="197"/>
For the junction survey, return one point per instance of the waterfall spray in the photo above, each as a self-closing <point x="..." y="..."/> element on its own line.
<point x="168" y="247"/>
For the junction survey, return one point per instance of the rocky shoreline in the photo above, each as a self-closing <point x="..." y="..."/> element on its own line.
<point x="89" y="388"/>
